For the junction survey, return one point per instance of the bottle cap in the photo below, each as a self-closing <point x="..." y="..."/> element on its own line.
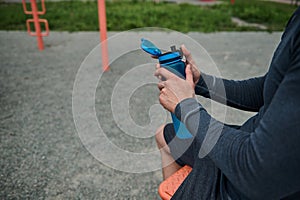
<point x="150" y="48"/>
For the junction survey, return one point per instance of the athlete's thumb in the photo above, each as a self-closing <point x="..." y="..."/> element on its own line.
<point x="189" y="75"/>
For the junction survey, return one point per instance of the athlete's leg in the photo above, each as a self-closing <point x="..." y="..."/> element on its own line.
<point x="169" y="166"/>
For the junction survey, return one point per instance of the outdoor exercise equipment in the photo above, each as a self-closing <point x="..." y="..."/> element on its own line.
<point x="39" y="34"/>
<point x="103" y="34"/>
<point x="35" y="14"/>
<point x="169" y="186"/>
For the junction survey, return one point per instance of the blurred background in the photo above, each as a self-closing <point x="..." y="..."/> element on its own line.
<point x="42" y="156"/>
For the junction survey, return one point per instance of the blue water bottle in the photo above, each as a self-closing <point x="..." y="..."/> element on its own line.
<point x="173" y="62"/>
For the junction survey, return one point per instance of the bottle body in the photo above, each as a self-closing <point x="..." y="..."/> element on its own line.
<point x="172" y="61"/>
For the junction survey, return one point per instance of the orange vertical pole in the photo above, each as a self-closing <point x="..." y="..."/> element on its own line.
<point x="35" y="13"/>
<point x="103" y="34"/>
<point x="37" y="24"/>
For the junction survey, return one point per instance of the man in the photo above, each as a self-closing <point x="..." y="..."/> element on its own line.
<point x="260" y="159"/>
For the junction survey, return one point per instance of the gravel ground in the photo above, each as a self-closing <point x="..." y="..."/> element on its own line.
<point x="42" y="156"/>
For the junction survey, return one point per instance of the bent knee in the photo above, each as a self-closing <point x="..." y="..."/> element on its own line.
<point x="159" y="137"/>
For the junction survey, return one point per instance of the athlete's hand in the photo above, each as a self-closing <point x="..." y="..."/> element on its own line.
<point x="189" y="60"/>
<point x="174" y="89"/>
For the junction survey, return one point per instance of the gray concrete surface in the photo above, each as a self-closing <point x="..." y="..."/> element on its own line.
<point x="42" y="156"/>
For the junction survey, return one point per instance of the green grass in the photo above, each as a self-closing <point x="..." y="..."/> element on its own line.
<point x="273" y="15"/>
<point x="126" y="15"/>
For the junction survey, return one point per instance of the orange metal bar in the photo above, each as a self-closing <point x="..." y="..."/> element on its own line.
<point x="35" y="13"/>
<point x="103" y="34"/>
<point x="37" y="24"/>
<point x="30" y="12"/>
<point x="25" y="8"/>
<point x="46" y="33"/>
